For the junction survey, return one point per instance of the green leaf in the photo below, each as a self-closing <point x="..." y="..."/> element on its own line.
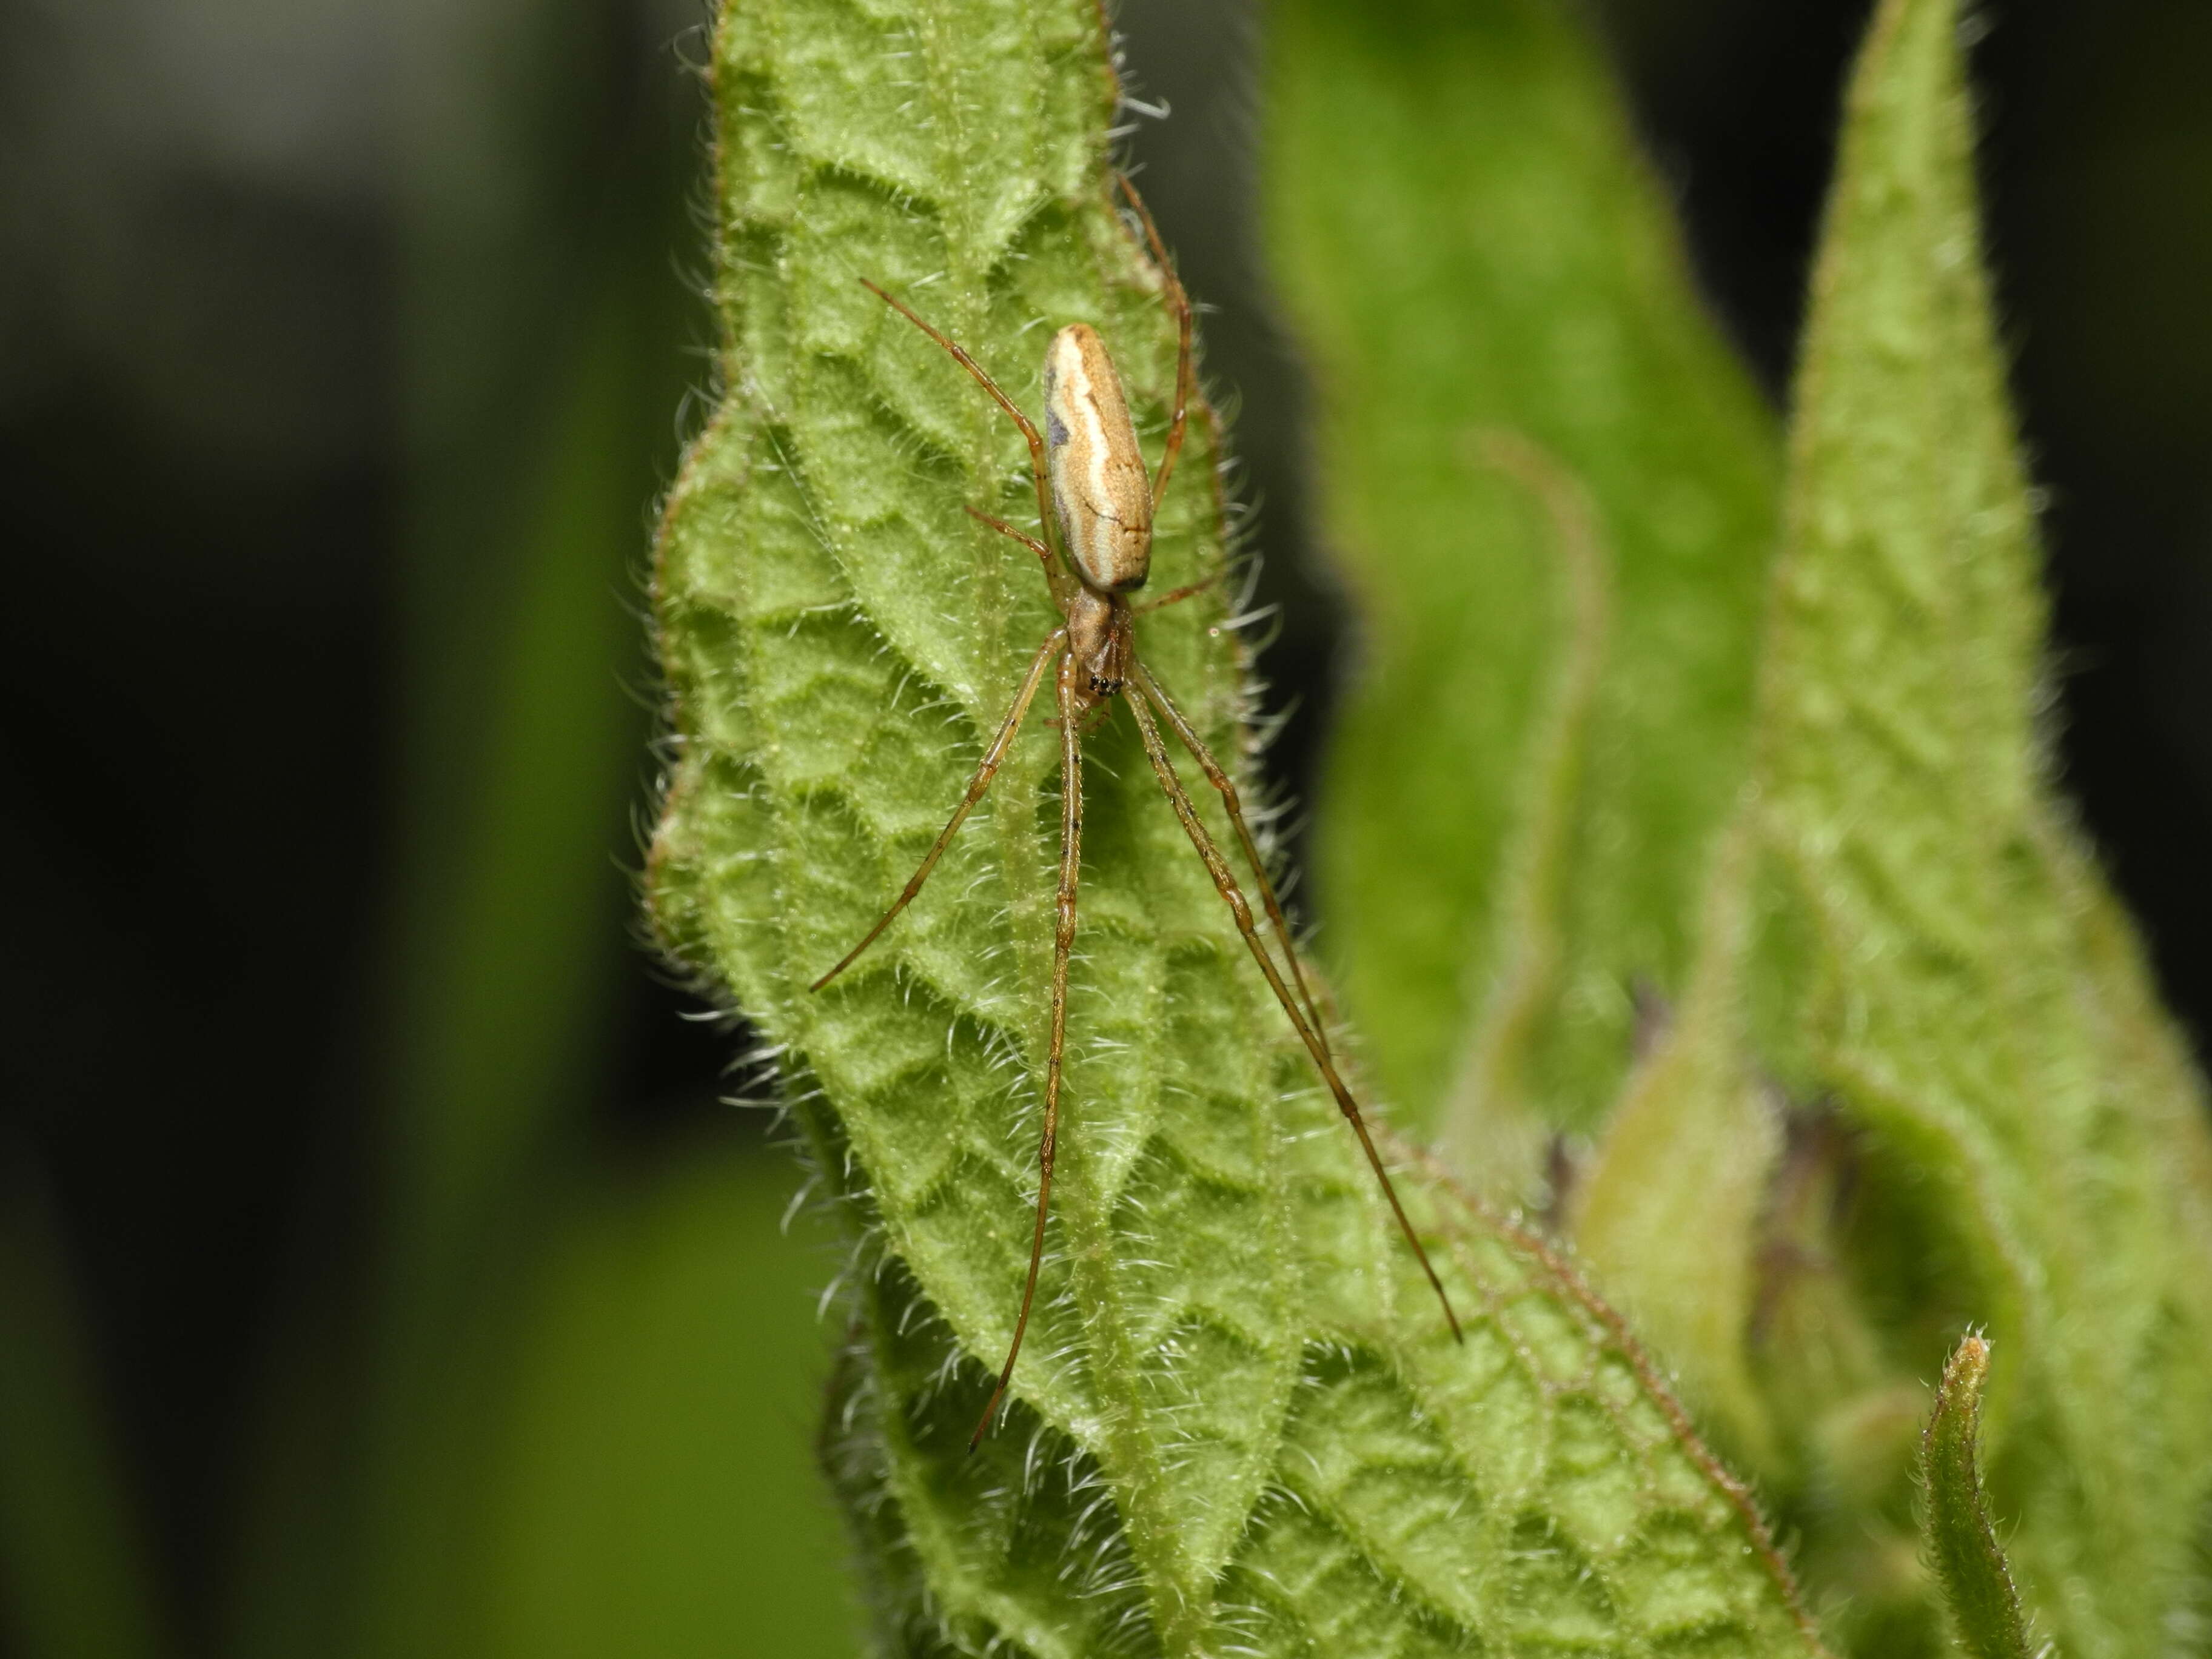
<point x="1934" y="953"/>
<point x="1538" y="1490"/>
<point x="1556" y="496"/>
<point x="1956" y="1527"/>
<point x="1905" y="1070"/>
<point x="1672" y="1208"/>
<point x="506" y="954"/>
<point x="1239" y="1419"/>
<point x="1965" y="985"/>
<point x="1547" y="730"/>
<point x="537" y="353"/>
<point x="651" y="1487"/>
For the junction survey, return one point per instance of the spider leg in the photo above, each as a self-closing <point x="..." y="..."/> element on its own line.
<point x="1022" y="536"/>
<point x="1054" y="577"/>
<point x="1179" y="303"/>
<point x="1063" y="941"/>
<point x="1029" y="431"/>
<point x="1086" y="724"/>
<point x="1220" y="780"/>
<point x="1176" y="596"/>
<point x="1226" y="883"/>
<point x="992" y="757"/>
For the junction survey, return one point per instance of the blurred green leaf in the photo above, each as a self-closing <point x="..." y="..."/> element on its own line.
<point x="497" y="1040"/>
<point x="1974" y="1002"/>
<point x="1555" y="494"/>
<point x="1956" y="1527"/>
<point x="1526" y="776"/>
<point x="1675" y="1204"/>
<point x="1239" y="1420"/>
<point x="75" y="1576"/>
<point x="492" y="1077"/>
<point x="653" y="1491"/>
<point x="534" y="386"/>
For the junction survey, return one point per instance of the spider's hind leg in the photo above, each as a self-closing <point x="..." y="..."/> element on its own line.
<point x="1232" y="803"/>
<point x="1226" y="884"/>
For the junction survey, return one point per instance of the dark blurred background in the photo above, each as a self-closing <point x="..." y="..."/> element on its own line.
<point x="365" y="1192"/>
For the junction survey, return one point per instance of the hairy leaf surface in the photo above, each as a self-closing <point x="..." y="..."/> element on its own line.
<point x="1239" y="1419"/>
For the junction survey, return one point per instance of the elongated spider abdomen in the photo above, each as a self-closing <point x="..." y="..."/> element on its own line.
<point x="1099" y="490"/>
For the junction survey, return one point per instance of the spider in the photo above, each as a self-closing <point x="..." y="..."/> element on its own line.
<point x="1089" y="478"/>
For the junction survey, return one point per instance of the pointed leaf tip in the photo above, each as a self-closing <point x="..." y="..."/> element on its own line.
<point x="1957" y="1531"/>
